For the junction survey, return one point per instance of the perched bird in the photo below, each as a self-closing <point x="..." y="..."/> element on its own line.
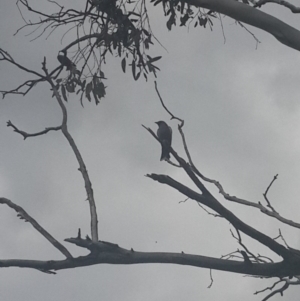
<point x="164" y="134"/>
<point x="66" y="62"/>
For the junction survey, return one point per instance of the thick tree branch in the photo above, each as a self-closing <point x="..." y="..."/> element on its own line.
<point x="272" y="213"/>
<point x="123" y="256"/>
<point x="283" y="32"/>
<point x="213" y="204"/>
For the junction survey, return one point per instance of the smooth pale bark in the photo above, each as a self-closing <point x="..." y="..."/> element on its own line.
<point x="283" y="32"/>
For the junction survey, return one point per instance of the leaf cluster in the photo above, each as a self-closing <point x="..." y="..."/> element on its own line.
<point x="186" y="13"/>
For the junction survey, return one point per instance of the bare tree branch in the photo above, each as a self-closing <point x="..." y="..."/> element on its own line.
<point x="283" y="32"/>
<point x="107" y="253"/>
<point x="26" y="135"/>
<point x="22" y="214"/>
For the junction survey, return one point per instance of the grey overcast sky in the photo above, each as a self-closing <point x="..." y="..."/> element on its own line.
<point x="241" y="110"/>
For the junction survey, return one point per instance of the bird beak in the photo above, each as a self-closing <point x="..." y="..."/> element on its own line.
<point x="156" y="122"/>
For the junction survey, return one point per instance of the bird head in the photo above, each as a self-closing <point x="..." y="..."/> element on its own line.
<point x="159" y="122"/>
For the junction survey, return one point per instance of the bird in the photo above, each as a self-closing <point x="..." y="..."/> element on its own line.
<point x="65" y="61"/>
<point x="164" y="134"/>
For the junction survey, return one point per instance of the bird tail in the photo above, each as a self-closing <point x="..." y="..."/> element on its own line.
<point x="165" y="151"/>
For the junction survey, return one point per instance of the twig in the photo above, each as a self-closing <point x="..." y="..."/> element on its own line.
<point x="164" y="106"/>
<point x="209" y="213"/>
<point x="266" y="192"/>
<point x="239" y="239"/>
<point x="26" y="135"/>
<point x="278" y="291"/>
<point x="211" y="279"/>
<point x="251" y="33"/>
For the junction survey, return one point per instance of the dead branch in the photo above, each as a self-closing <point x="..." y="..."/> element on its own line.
<point x="26" y="135"/>
<point x="82" y="167"/>
<point x="22" y="214"/>
<point x="278" y="291"/>
<point x="213" y="204"/>
<point x="108" y="253"/>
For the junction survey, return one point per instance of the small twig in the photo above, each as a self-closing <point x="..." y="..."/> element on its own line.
<point x="5" y="56"/>
<point x="183" y="201"/>
<point x="266" y="192"/>
<point x="278" y="291"/>
<point x="211" y="279"/>
<point x="295" y="251"/>
<point x="268" y="288"/>
<point x="251" y="33"/>
<point x="22" y="214"/>
<point x="164" y="106"/>
<point x="26" y="135"/>
<point x="29" y="84"/>
<point x="209" y="213"/>
<point x="239" y="239"/>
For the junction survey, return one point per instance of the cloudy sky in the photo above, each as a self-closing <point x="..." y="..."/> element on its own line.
<point x="240" y="104"/>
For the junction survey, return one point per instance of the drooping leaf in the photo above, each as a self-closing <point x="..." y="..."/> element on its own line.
<point x="95" y="97"/>
<point x="171" y="21"/>
<point x="83" y="84"/>
<point x="146" y="32"/>
<point x="123" y="63"/>
<point x="99" y="90"/>
<point x="70" y="86"/>
<point x="63" y="92"/>
<point x="133" y="68"/>
<point x="157" y="2"/>
<point x="115" y="42"/>
<point x="153" y="59"/>
<point x="184" y="19"/>
<point x="88" y="90"/>
<point x="138" y="76"/>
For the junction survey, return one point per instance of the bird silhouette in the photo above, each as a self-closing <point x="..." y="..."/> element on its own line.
<point x="164" y="134"/>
